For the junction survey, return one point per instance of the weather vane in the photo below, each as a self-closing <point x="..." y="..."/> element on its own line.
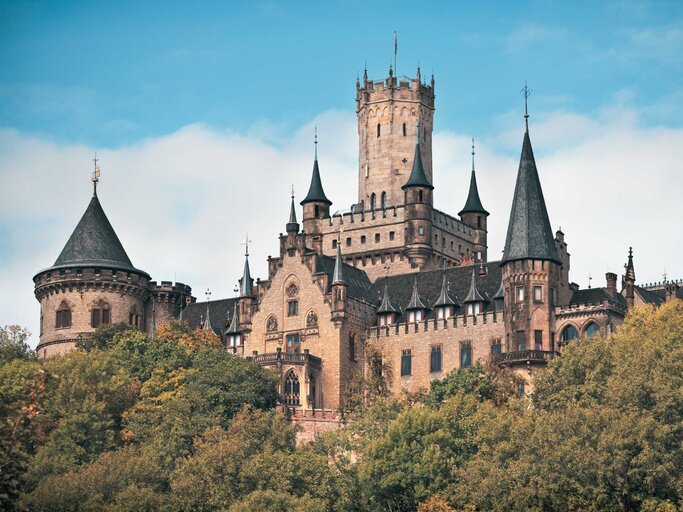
<point x="208" y="295"/>
<point x="95" y="174"/>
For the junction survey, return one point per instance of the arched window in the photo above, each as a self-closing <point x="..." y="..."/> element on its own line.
<point x="134" y="317"/>
<point x="378" y="130"/>
<point x="592" y="329"/>
<point x="404" y="130"/>
<point x="569" y="333"/>
<point x="384" y="200"/>
<point x="63" y="316"/>
<point x="373" y="201"/>
<point x="100" y="314"/>
<point x="292" y="393"/>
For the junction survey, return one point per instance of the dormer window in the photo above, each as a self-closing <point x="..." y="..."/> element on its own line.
<point x="234" y="341"/>
<point x="473" y="308"/>
<point x="385" y="319"/>
<point x="415" y="316"/>
<point x="444" y="312"/>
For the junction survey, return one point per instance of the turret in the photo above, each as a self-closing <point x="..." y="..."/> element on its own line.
<point x="629" y="281"/>
<point x="292" y="225"/>
<point x="418" y="219"/>
<point x="531" y="264"/>
<point x="316" y="204"/>
<point x="92" y="282"/>
<point x="475" y="216"/>
<point x="247" y="296"/>
<point x="338" y="288"/>
<point x="233" y="334"/>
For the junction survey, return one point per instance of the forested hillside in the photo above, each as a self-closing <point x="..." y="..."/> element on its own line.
<point x="173" y="423"/>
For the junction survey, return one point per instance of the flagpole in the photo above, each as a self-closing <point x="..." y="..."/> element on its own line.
<point x="395" y="49"/>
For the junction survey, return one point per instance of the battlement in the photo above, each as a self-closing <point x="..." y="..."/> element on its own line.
<point x="456" y="322"/>
<point x="451" y="225"/>
<point x="661" y="284"/>
<point x="396" y="88"/>
<point x="166" y="291"/>
<point x="374" y="217"/>
<point x="590" y="307"/>
<point x="82" y="274"/>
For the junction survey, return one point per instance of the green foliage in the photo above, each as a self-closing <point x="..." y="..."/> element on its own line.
<point x="13" y="344"/>
<point x="484" y="383"/>
<point x="104" y="337"/>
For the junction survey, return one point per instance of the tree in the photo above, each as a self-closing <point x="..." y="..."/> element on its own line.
<point x="13" y="344"/>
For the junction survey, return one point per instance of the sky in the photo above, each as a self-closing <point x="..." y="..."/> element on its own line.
<point x="202" y="115"/>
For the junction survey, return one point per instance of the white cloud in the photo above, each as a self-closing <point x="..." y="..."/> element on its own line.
<point x="525" y="35"/>
<point x="181" y="203"/>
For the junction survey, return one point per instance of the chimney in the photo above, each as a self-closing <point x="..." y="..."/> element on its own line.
<point x="611" y="278"/>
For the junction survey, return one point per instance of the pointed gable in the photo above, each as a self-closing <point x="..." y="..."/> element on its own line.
<point x="529" y="234"/>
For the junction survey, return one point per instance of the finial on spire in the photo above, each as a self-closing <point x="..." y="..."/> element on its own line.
<point x="245" y="243"/>
<point x="365" y="71"/>
<point x="315" y="141"/>
<point x="472" y="154"/>
<point x="95" y="174"/>
<point x="527" y="92"/>
<point x="208" y="295"/>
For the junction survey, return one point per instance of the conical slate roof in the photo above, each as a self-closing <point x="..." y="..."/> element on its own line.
<point x="94" y="243"/>
<point x="246" y="282"/>
<point x="474" y="295"/>
<point x="445" y="298"/>
<point x="233" y="328"/>
<point x="316" y="194"/>
<point x="473" y="204"/>
<point x="292" y="225"/>
<point x="529" y="234"/>
<point x="415" y="301"/>
<point x="417" y="178"/>
<point x="338" y="274"/>
<point x="386" y="306"/>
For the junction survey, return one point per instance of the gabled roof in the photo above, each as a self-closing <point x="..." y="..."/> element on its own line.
<point x="417" y="177"/>
<point x="233" y="328"/>
<point x="358" y="285"/>
<point x="529" y="233"/>
<point x="316" y="194"/>
<point x="94" y="243"/>
<point x="219" y="311"/>
<point x="648" y="296"/>
<point x="415" y="301"/>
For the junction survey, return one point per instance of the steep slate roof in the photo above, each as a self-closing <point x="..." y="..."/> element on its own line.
<point x="338" y="273"/>
<point x="220" y="312"/>
<point x="417" y="178"/>
<point x="473" y="294"/>
<point x="445" y="298"/>
<point x="316" y="194"/>
<point x="529" y="233"/>
<point x="415" y="301"/>
<point x="473" y="203"/>
<point x="246" y="282"/>
<point x="94" y="243"/>
<point x="429" y="282"/>
<point x="385" y="305"/>
<point x="595" y="295"/>
<point x="234" y="323"/>
<point x="648" y="296"/>
<point x="358" y="285"/>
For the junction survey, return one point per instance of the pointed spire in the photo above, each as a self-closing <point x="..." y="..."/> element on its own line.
<point x="500" y="294"/>
<point x="233" y="328"/>
<point x="417" y="178"/>
<point x="630" y="270"/>
<point x="385" y="306"/>
<point x="246" y="282"/>
<point x="316" y="194"/>
<point x="415" y="300"/>
<point x="338" y="274"/>
<point x="529" y="233"/>
<point x="527" y="92"/>
<point x="473" y="295"/>
<point x="365" y="72"/>
<point x="445" y="298"/>
<point x="473" y="203"/>
<point x="207" y="320"/>
<point x="95" y="175"/>
<point x="292" y="225"/>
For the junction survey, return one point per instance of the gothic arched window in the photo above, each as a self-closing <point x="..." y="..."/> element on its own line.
<point x="569" y="333"/>
<point x="292" y="389"/>
<point x="63" y="315"/>
<point x="592" y="329"/>
<point x="384" y="200"/>
<point x="373" y="201"/>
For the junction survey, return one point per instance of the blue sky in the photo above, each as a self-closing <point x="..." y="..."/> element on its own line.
<point x="199" y="111"/>
<point x="110" y="73"/>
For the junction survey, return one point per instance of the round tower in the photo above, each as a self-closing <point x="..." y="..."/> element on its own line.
<point x="418" y="218"/>
<point x="389" y="112"/>
<point x="92" y="282"/>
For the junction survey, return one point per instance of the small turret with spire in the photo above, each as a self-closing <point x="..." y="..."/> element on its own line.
<point x="416" y="308"/>
<point x="629" y="290"/>
<point x="338" y="286"/>
<point x="445" y="304"/>
<point x="233" y="334"/>
<point x="386" y="311"/>
<point x="475" y="215"/>
<point x="316" y="204"/>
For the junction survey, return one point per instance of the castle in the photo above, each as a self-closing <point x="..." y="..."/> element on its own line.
<point x="391" y="272"/>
